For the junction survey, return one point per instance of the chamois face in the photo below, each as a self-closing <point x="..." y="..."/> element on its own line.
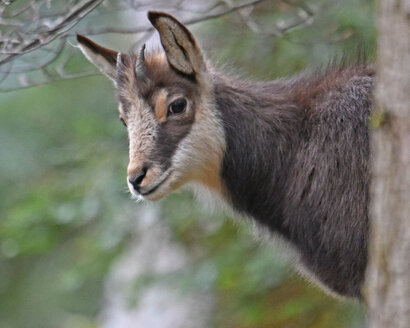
<point x="166" y="103"/>
<point x="167" y="117"/>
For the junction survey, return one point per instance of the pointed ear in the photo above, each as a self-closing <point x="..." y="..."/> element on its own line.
<point x="182" y="51"/>
<point x="105" y="59"/>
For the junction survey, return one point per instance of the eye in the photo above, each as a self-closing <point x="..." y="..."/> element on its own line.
<point x="177" y="106"/>
<point x="123" y="122"/>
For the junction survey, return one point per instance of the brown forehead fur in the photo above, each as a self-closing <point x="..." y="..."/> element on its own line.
<point x="160" y="105"/>
<point x="159" y="74"/>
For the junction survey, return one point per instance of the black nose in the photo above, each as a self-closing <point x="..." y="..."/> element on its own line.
<point x="136" y="181"/>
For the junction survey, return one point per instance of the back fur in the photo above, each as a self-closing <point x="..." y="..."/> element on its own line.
<point x="296" y="160"/>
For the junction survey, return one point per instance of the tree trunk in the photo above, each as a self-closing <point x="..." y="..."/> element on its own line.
<point x="388" y="275"/>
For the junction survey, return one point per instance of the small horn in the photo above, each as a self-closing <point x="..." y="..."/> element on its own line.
<point x="140" y="66"/>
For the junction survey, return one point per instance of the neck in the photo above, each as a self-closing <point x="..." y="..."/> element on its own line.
<point x="296" y="160"/>
<point x="260" y="121"/>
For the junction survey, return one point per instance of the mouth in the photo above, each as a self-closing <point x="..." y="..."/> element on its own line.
<point x="155" y="188"/>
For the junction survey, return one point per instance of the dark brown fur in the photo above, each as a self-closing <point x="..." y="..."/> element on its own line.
<point x="297" y="162"/>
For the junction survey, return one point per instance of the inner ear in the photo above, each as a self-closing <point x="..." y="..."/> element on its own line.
<point x="183" y="52"/>
<point x="103" y="58"/>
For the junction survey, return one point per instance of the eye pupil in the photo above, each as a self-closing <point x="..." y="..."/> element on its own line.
<point x="178" y="106"/>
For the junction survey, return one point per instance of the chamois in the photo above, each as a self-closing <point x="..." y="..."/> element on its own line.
<point x="292" y="154"/>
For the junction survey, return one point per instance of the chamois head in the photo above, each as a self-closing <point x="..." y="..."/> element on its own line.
<point x="166" y="103"/>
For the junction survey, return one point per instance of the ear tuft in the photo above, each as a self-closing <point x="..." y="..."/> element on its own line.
<point x="103" y="58"/>
<point x="182" y="50"/>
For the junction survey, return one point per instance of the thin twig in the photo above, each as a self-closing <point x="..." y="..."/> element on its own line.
<point x="38" y="28"/>
<point x="202" y="18"/>
<point x="37" y="84"/>
<point x="56" y="53"/>
<point x="70" y="20"/>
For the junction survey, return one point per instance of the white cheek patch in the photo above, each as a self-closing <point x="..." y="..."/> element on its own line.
<point x="199" y="155"/>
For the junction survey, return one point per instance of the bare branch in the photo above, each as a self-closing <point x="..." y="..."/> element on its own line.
<point x="35" y="66"/>
<point x="71" y="19"/>
<point x="304" y="18"/>
<point x="30" y="30"/>
<point x="201" y="18"/>
<point x="26" y="84"/>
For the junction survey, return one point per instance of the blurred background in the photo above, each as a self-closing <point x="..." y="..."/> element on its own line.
<point x="75" y="250"/>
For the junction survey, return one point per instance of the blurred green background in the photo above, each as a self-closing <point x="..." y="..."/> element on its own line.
<point x="66" y="218"/>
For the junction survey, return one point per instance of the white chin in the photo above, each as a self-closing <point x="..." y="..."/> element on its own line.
<point x="137" y="197"/>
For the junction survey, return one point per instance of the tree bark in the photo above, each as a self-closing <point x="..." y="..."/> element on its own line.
<point x="388" y="277"/>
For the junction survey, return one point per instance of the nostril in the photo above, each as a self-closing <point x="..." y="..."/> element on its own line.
<point x="136" y="181"/>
